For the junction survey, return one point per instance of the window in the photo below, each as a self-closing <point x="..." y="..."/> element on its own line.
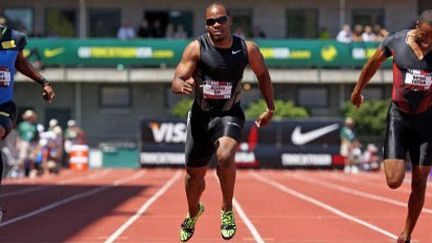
<point x="369" y="17"/>
<point x="60" y="22"/>
<point x="103" y="22"/>
<point x="183" y="18"/>
<point x="313" y="97"/>
<point x="115" y="96"/>
<point x="302" y="23"/>
<point x="242" y="22"/>
<point x="166" y="18"/>
<point x="20" y="19"/>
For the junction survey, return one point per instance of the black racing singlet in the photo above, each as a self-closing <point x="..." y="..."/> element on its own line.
<point x="412" y="78"/>
<point x="219" y="74"/>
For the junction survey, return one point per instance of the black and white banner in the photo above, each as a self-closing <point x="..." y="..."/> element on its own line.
<point x="288" y="143"/>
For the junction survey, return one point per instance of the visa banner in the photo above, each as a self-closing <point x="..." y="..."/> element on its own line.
<point x="296" y="143"/>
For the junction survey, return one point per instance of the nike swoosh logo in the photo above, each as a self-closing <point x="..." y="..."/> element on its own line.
<point x="5" y="114"/>
<point x="299" y="138"/>
<point x="235" y="52"/>
<point x="233" y="123"/>
<point x="48" y="53"/>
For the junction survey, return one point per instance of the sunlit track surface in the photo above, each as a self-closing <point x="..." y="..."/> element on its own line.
<point x="148" y="205"/>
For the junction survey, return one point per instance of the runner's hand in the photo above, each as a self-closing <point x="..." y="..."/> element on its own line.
<point x="357" y="99"/>
<point x="48" y="93"/>
<point x="264" y="118"/>
<point x="187" y="86"/>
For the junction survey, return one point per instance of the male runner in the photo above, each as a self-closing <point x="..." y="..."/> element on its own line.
<point x="409" y="120"/>
<point x="12" y="59"/>
<point x="212" y="66"/>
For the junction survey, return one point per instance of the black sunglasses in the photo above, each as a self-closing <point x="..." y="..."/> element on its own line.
<point x="220" y="20"/>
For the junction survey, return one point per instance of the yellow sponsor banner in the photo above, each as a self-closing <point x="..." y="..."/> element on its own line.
<point x="285" y="53"/>
<point x="370" y="52"/>
<point x="123" y="52"/>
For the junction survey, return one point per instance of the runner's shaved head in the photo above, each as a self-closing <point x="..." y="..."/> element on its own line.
<point x="426" y="16"/>
<point x="216" y="6"/>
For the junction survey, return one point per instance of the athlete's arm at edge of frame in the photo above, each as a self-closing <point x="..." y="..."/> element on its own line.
<point x="24" y="67"/>
<point x="257" y="63"/>
<point x="182" y="82"/>
<point x="368" y="71"/>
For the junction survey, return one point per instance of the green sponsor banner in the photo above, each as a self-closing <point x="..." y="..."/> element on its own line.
<point x="293" y="53"/>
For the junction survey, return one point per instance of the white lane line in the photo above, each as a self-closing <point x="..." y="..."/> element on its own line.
<point x="256" y="235"/>
<point x="143" y="208"/>
<point x="63" y="182"/>
<point x="89" y="177"/>
<point x="318" y="203"/>
<point x="381" y="184"/>
<point x="73" y="198"/>
<point x="354" y="192"/>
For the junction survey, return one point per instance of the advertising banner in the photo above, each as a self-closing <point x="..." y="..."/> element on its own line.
<point x="283" y="53"/>
<point x="299" y="143"/>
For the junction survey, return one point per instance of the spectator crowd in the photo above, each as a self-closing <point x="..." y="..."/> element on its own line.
<point x="361" y="33"/>
<point x="31" y="150"/>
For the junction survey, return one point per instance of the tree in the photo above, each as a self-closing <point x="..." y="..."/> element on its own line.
<point x="284" y="109"/>
<point x="370" y="118"/>
<point x="181" y="108"/>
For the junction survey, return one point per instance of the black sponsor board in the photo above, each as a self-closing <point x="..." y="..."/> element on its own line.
<point x="294" y="143"/>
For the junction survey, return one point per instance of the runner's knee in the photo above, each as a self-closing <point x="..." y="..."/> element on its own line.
<point x="225" y="158"/>
<point x="394" y="182"/>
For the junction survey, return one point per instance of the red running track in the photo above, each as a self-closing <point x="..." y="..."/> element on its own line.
<point x="148" y="205"/>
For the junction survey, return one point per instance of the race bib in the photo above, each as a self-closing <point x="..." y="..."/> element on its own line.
<point x="5" y="77"/>
<point x="216" y="90"/>
<point x="418" y="78"/>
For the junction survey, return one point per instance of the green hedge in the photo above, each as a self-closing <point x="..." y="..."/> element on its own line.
<point x="370" y="118"/>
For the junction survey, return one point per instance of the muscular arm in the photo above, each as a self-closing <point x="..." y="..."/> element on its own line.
<point x="182" y="82"/>
<point x="366" y="75"/>
<point x="23" y="65"/>
<point x="256" y="62"/>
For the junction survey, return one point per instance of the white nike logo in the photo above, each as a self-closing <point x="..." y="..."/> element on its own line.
<point x="235" y="52"/>
<point x="299" y="138"/>
<point x="233" y="123"/>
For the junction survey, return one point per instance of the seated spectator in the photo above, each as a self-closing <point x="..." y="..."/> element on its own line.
<point x="143" y="30"/>
<point x="345" y="35"/>
<point x="258" y="32"/>
<point x="368" y="35"/>
<point x="179" y="32"/>
<point x="382" y="34"/>
<point x="371" y="159"/>
<point x="156" y="30"/>
<point x="73" y="135"/>
<point x="169" y="31"/>
<point x="357" y="34"/>
<point x="324" y="34"/>
<point x="125" y="31"/>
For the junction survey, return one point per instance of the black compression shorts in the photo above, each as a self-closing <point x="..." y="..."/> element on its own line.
<point x="203" y="130"/>
<point x="409" y="133"/>
<point x="8" y="115"/>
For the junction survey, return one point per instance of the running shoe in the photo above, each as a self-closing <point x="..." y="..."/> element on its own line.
<point x="228" y="226"/>
<point x="188" y="226"/>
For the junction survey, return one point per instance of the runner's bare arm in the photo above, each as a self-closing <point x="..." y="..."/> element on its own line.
<point x="256" y="62"/>
<point x="24" y="66"/>
<point x="366" y="75"/>
<point x="182" y="82"/>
